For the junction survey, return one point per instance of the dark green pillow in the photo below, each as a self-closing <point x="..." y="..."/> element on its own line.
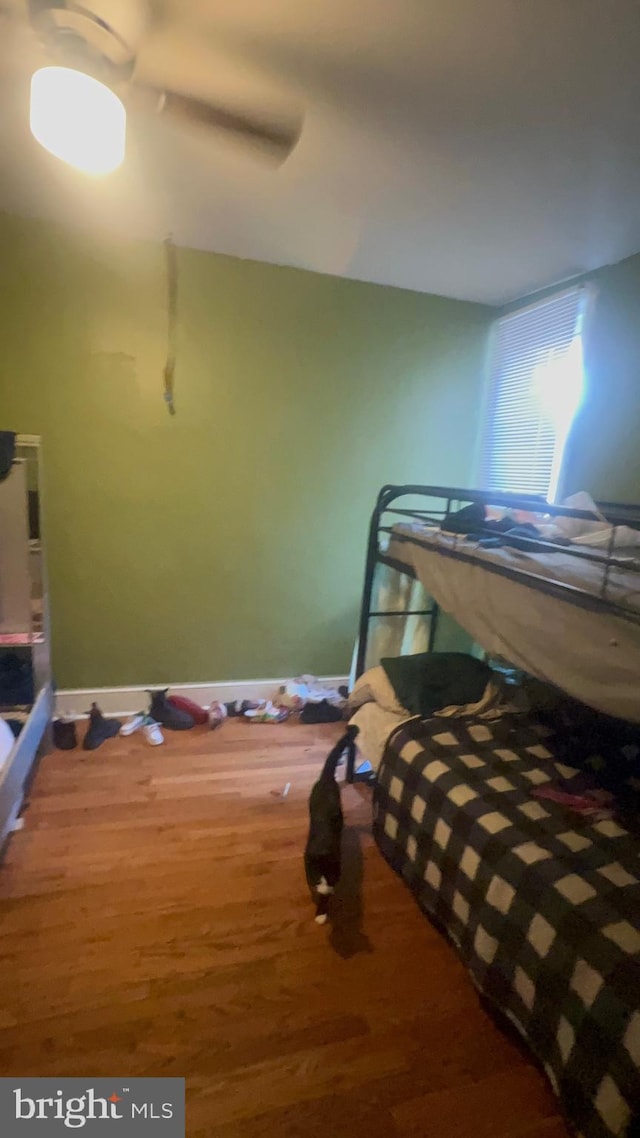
<point x="430" y="681"/>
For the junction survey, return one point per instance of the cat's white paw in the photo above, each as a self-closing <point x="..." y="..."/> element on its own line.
<point x="321" y="919"/>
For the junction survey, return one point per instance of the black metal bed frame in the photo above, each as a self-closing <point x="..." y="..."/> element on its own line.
<point x="452" y="498"/>
<point x="616" y="514"/>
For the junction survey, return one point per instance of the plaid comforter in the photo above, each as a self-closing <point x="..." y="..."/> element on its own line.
<point x="544" y="909"/>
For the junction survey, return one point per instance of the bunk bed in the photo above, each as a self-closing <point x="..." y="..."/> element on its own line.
<point x="542" y="904"/>
<point x="584" y="597"/>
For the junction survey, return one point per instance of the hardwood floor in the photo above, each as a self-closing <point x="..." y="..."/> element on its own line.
<point x="154" y="920"/>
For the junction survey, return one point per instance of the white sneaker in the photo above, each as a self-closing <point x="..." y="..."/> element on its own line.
<point x="152" y="733"/>
<point x="133" y="724"/>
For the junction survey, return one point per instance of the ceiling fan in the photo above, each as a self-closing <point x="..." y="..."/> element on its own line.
<point x="86" y="84"/>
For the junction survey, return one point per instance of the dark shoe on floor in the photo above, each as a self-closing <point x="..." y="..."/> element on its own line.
<point x="239" y="707"/>
<point x="64" y="734"/>
<point x="165" y="713"/>
<point x="99" y="729"/>
<point x="323" y="712"/>
<point x="200" y="715"/>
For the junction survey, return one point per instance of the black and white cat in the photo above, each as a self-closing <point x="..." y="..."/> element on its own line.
<point x="322" y="855"/>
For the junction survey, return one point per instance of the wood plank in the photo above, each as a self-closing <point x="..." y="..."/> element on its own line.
<point x="154" y="919"/>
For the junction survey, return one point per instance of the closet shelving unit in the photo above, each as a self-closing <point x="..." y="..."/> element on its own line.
<point x="24" y="624"/>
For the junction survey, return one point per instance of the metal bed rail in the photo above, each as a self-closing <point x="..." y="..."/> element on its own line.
<point x="616" y="514"/>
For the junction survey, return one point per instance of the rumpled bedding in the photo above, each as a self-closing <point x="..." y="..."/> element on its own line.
<point x="428" y="681"/>
<point x="375" y="726"/>
<point x="374" y="686"/>
<point x="377" y="712"/>
<point x="478" y="521"/>
<point x="543" y="907"/>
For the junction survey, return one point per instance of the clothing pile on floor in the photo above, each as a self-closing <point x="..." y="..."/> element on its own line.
<point x="311" y="700"/>
<point x="304" y="697"/>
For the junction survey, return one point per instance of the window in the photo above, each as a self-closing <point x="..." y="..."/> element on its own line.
<point x="535" y="389"/>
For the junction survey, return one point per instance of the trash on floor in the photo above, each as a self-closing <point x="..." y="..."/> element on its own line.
<point x="281" y="794"/>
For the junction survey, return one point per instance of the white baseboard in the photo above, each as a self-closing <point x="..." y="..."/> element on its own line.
<point x="75" y="703"/>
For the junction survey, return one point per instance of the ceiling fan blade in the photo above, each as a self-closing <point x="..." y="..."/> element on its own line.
<point x="20" y="50"/>
<point x="277" y="138"/>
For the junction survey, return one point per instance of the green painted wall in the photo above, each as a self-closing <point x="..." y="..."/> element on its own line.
<point x="604" y="455"/>
<point x="227" y="542"/>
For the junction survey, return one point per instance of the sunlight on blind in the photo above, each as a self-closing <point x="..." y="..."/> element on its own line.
<point x="536" y="385"/>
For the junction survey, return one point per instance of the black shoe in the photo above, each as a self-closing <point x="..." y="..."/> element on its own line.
<point x="239" y="707"/>
<point x="99" y="729"/>
<point x="64" y="734"/>
<point x="166" y="714"/>
<point x="322" y="712"/>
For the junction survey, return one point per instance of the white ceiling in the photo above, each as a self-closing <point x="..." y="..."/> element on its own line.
<point x="473" y="148"/>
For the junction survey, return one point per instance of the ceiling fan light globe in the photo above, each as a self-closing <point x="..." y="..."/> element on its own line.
<point x="78" y="119"/>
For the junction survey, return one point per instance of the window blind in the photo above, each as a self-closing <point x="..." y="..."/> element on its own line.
<point x="534" y="391"/>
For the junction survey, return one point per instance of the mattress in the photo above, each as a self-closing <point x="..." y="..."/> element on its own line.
<point x="575" y="569"/>
<point x="591" y="653"/>
<point x="543" y="909"/>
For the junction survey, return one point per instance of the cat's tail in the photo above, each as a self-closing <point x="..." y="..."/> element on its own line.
<point x="346" y="741"/>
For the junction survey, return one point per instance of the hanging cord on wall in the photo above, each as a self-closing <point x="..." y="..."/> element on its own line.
<point x="172" y="322"/>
